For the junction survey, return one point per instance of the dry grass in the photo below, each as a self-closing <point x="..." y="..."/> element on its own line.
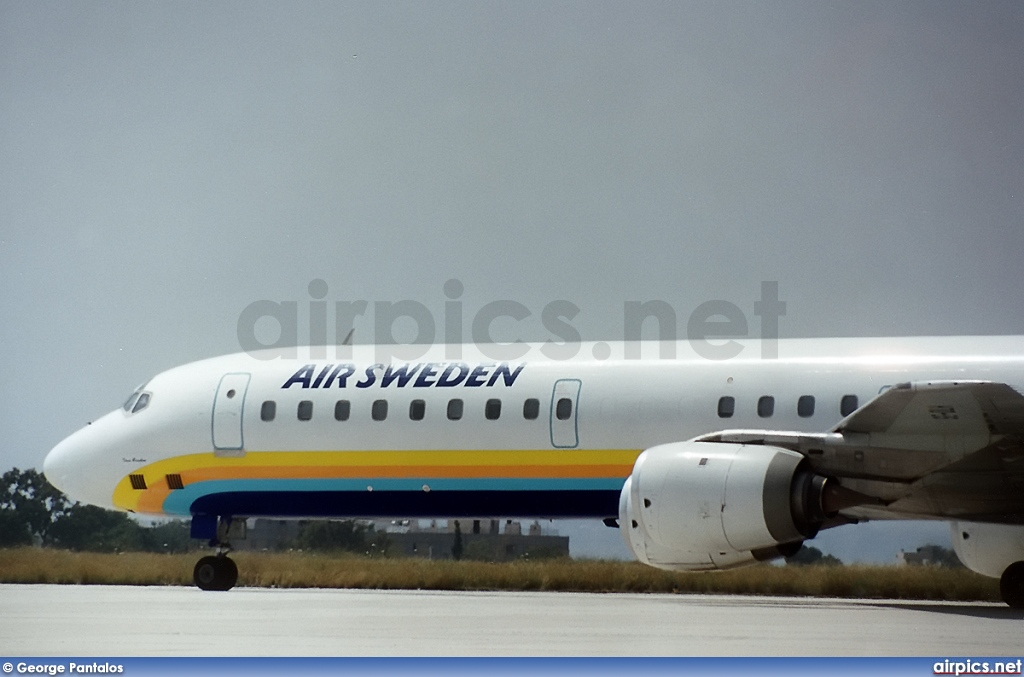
<point x="298" y="570"/>
<point x="43" y="565"/>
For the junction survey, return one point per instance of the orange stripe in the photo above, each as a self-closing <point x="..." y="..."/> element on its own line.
<point x="152" y="500"/>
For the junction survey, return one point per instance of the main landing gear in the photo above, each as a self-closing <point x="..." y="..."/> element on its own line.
<point x="217" y="572"/>
<point x="1011" y="585"/>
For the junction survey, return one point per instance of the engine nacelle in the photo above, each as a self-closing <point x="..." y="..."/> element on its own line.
<point x="706" y="505"/>
<point x="987" y="548"/>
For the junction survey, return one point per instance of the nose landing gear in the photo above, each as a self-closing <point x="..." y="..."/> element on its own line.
<point x="217" y="572"/>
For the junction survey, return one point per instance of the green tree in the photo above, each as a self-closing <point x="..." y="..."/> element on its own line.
<point x="807" y="555"/>
<point x="168" y="537"/>
<point x="13" y="530"/>
<point x="32" y="501"/>
<point x="33" y="510"/>
<point x="86" y="527"/>
<point x="947" y="557"/>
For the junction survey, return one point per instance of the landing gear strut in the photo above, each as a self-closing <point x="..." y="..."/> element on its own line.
<point x="1011" y="585"/>
<point x="217" y="572"/>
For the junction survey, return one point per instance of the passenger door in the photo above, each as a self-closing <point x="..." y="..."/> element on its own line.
<point x="564" y="413"/>
<point x="228" y="410"/>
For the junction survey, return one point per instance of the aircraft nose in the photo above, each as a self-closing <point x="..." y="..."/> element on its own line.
<point x="74" y="467"/>
<point x="57" y="466"/>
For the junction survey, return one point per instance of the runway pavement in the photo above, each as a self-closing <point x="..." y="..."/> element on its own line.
<point x="52" y="620"/>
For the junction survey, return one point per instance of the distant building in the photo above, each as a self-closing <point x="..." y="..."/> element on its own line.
<point x="481" y="539"/>
<point x="929" y="555"/>
<point x="265" y="534"/>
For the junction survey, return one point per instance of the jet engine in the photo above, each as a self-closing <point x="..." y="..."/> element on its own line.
<point x="705" y="505"/>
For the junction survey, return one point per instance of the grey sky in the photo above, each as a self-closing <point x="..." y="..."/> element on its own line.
<point x="162" y="165"/>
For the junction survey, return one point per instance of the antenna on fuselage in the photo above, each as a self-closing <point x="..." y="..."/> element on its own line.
<point x="348" y="337"/>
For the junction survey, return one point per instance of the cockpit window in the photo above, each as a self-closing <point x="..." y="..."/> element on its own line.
<point x="138" y="401"/>
<point x="141" y="403"/>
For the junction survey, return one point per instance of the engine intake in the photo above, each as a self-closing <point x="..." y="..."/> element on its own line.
<point x="708" y="505"/>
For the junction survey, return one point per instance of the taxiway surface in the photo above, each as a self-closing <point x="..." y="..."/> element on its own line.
<point x="54" y="620"/>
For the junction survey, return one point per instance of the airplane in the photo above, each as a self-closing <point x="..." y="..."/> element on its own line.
<point x="701" y="464"/>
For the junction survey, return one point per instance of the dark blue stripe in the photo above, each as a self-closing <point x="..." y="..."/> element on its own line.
<point x="180" y="502"/>
<point x="409" y="504"/>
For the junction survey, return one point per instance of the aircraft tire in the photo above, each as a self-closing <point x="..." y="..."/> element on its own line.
<point x="228" y="573"/>
<point x="206" y="573"/>
<point x="1011" y="585"/>
<point x="215" y="573"/>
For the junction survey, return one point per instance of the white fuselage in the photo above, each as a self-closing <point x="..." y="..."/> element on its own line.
<point x="444" y="448"/>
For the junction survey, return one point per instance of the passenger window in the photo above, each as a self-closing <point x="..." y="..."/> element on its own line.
<point x="268" y="411"/>
<point x="726" y="407"/>
<point x="563" y="409"/>
<point x="141" y="403"/>
<point x="848" y="405"/>
<point x="492" y="410"/>
<point x="342" y="410"/>
<point x="531" y="409"/>
<point x="805" y="406"/>
<point x="454" y="410"/>
<point x="766" y="406"/>
<point x="417" y="408"/>
<point x="379" y="412"/>
<point x="305" y="410"/>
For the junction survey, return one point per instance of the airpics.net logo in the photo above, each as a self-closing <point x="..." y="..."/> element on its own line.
<point x="270" y="329"/>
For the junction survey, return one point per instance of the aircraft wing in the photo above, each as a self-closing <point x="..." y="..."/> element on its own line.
<point x="939" y="408"/>
<point x="943" y="449"/>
